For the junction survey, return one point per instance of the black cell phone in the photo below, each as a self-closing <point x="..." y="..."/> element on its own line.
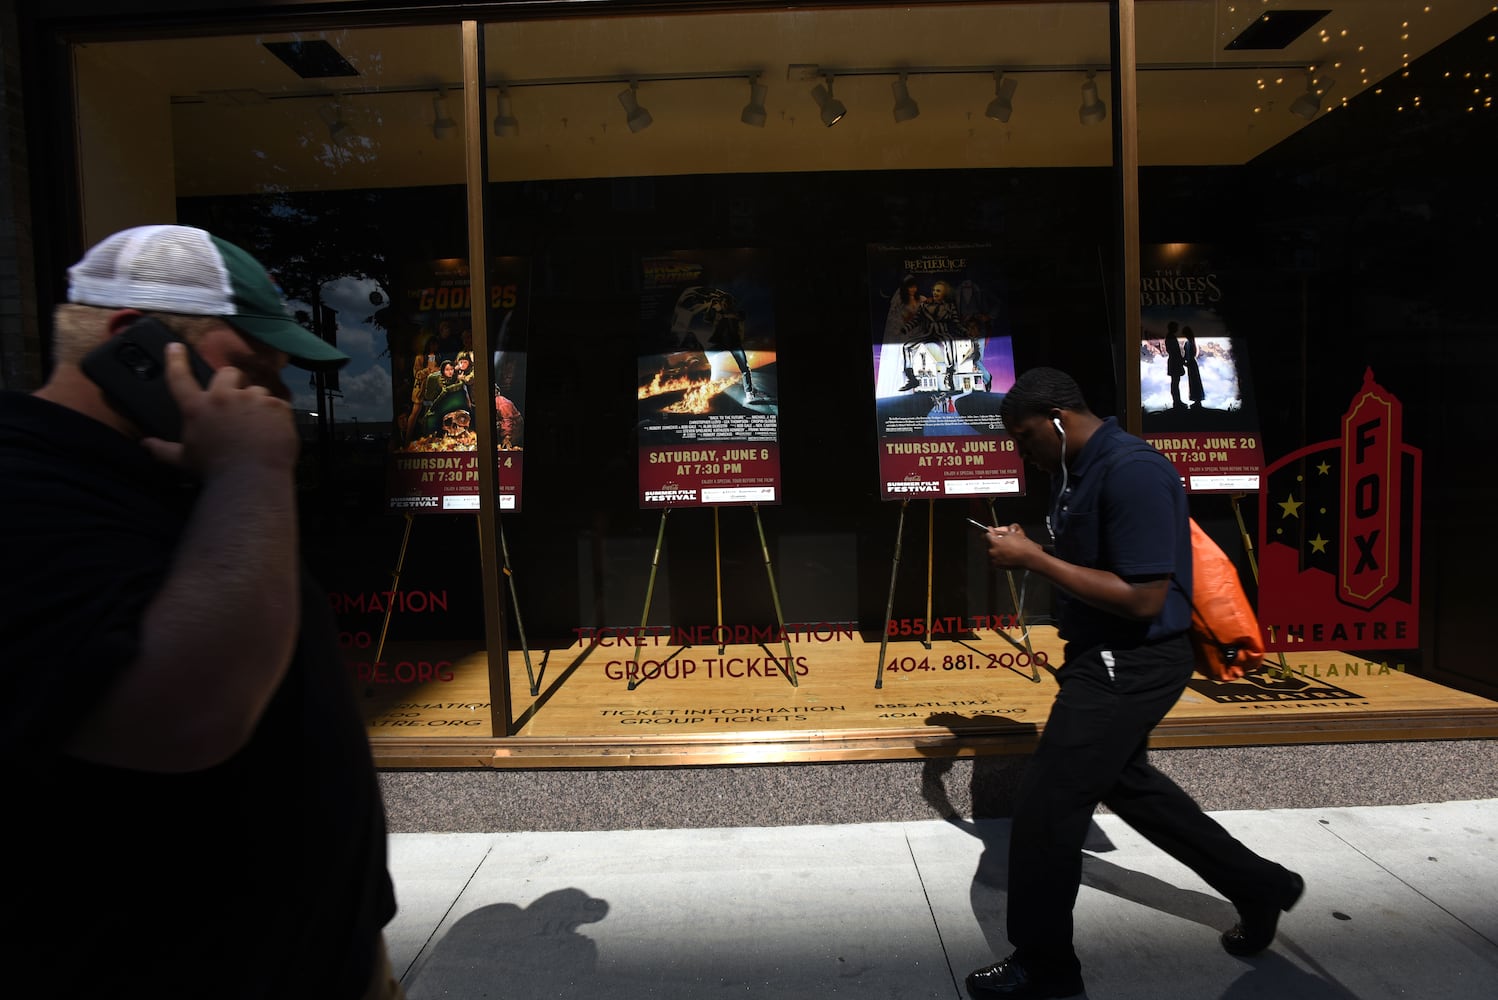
<point x="130" y="368"/>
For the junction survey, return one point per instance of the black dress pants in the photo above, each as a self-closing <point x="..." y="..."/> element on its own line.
<point x="1093" y="750"/>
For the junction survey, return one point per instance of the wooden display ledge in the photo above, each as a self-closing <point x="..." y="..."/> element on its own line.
<point x="964" y="696"/>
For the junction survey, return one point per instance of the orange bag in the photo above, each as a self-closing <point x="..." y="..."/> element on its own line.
<point x="1224" y="630"/>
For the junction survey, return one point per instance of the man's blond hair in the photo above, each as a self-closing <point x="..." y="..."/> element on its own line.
<point x="78" y="329"/>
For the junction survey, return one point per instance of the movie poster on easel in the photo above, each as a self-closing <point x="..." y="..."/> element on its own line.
<point x="943" y="360"/>
<point x="709" y="412"/>
<point x="1196" y="400"/>
<point x="433" y="460"/>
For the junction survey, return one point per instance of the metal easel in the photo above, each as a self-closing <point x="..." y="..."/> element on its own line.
<point x="395" y="577"/>
<point x="788" y="666"/>
<point x="889" y="606"/>
<point x="1253" y="563"/>
<point x="1019" y="607"/>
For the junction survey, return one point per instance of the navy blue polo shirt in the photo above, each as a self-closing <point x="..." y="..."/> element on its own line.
<point x="1124" y="511"/>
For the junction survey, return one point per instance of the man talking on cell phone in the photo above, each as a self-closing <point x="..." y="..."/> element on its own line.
<point x="194" y="807"/>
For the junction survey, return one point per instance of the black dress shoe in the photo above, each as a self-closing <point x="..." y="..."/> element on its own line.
<point x="1257" y="923"/>
<point x="1010" y="979"/>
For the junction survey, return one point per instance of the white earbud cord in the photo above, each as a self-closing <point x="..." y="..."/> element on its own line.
<point x="1054" y="517"/>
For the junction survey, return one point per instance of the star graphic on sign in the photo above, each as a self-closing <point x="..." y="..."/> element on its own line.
<point x="1323" y="469"/>
<point x="1291" y="507"/>
<point x="1318" y="544"/>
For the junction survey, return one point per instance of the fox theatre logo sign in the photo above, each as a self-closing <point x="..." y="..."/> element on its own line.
<point x="1339" y="530"/>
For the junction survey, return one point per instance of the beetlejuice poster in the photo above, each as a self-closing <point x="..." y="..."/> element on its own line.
<point x="943" y="360"/>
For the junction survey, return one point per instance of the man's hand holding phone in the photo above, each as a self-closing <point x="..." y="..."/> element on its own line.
<point x="225" y="423"/>
<point x="1009" y="547"/>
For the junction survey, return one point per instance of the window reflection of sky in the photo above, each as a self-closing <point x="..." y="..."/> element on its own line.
<point x="364" y="383"/>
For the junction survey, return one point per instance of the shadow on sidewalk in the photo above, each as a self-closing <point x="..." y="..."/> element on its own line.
<point x="994" y="785"/>
<point x="518" y="952"/>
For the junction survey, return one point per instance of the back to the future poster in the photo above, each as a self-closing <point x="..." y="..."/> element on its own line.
<point x="709" y="410"/>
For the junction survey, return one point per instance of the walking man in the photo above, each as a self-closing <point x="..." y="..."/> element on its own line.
<point x="1122" y="569"/>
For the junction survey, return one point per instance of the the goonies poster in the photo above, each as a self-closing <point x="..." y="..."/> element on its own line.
<point x="433" y="462"/>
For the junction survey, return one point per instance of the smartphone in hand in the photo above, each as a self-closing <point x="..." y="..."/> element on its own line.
<point x="130" y="368"/>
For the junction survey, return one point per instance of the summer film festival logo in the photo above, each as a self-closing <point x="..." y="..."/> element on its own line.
<point x="1339" y="529"/>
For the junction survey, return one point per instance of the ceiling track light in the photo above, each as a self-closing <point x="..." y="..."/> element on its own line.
<point x="636" y="117"/>
<point x="506" y="125"/>
<point x="754" y="112"/>
<point x="1093" y="110"/>
<point x="833" y="109"/>
<point x="442" y="122"/>
<point x="332" y="106"/>
<point x="1002" y="105"/>
<point x="905" y="107"/>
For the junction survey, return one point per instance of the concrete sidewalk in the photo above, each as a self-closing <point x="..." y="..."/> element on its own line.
<point x="1399" y="902"/>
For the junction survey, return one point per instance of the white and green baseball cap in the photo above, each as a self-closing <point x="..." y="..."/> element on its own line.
<point x="180" y="269"/>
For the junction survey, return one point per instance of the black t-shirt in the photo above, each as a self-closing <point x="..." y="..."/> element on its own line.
<point x="262" y="876"/>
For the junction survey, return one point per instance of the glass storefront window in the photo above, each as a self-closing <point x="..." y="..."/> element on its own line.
<point x="741" y="199"/>
<point x="333" y="156"/>
<point x="734" y="473"/>
<point x="1314" y="228"/>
